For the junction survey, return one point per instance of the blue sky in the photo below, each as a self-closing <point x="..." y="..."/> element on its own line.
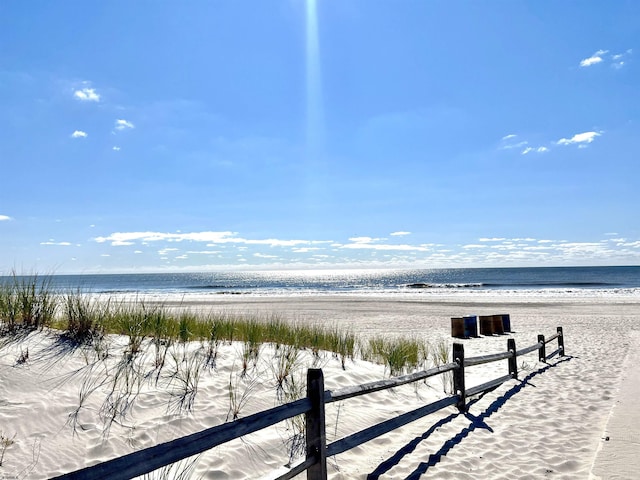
<point x="196" y="135"/>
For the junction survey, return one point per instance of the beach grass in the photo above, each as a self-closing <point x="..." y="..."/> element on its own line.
<point x="399" y="355"/>
<point x="28" y="303"/>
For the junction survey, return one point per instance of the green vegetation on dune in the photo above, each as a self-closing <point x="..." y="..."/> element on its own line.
<point x="28" y="303"/>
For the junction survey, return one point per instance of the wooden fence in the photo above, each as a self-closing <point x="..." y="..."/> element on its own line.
<point x="312" y="406"/>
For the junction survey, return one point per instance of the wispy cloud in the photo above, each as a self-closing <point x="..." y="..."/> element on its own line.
<point x="87" y="95"/>
<point x="60" y="244"/>
<point x="211" y="238"/>
<point x="620" y="59"/>
<point x="5" y="218"/>
<point x="363" y="240"/>
<point x="617" y="60"/>
<point x="79" y="134"/>
<point x="511" y="141"/>
<point x="122" y="124"/>
<point x="400" y="234"/>
<point x="369" y="243"/>
<point x="582" y="139"/>
<point x="593" y="59"/>
<point x="534" y="149"/>
<point x="263" y="255"/>
<point x="115" y="148"/>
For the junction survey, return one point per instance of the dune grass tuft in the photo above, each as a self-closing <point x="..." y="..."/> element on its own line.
<point x="399" y="355"/>
<point x="26" y="303"/>
<point x="440" y="356"/>
<point x="5" y="442"/>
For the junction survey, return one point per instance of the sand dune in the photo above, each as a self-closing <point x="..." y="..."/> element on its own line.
<point x="552" y="423"/>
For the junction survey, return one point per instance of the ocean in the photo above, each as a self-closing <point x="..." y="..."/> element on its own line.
<point x="559" y="280"/>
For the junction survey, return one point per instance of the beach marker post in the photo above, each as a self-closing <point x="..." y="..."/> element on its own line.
<point x="316" y="437"/>
<point x="458" y="377"/>
<point x="513" y="359"/>
<point x="561" y="341"/>
<point x="542" y="352"/>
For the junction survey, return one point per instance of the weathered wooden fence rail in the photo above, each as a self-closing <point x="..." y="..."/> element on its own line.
<point x="317" y="450"/>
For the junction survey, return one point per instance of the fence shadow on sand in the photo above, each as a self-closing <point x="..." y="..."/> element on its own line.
<point x="476" y="422"/>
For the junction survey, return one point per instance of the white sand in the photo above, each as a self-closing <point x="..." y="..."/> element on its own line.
<point x="550" y="424"/>
<point x="618" y="454"/>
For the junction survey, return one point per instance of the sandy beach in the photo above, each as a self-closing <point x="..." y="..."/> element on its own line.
<point x="564" y="419"/>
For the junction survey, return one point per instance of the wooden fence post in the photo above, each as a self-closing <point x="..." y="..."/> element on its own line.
<point x="561" y="341"/>
<point x="513" y="360"/>
<point x="315" y="425"/>
<point x="458" y="376"/>
<point x="542" y="352"/>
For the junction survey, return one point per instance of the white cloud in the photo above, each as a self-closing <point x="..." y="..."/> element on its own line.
<point x="115" y="148"/>
<point x="380" y="246"/>
<point x="509" y="146"/>
<point x="122" y="124"/>
<point x="630" y="244"/>
<point x="593" y="59"/>
<point x="535" y="149"/>
<point x="509" y="142"/>
<point x="305" y="249"/>
<point x="87" y="95"/>
<point x="619" y="59"/>
<point x="580" y="138"/>
<point x="400" y="234"/>
<point x="4" y="218"/>
<point x="262" y="255"/>
<point x="363" y="239"/>
<point x="369" y="243"/>
<point x="61" y="244"/>
<point x="79" y="134"/>
<point x="212" y="238"/>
